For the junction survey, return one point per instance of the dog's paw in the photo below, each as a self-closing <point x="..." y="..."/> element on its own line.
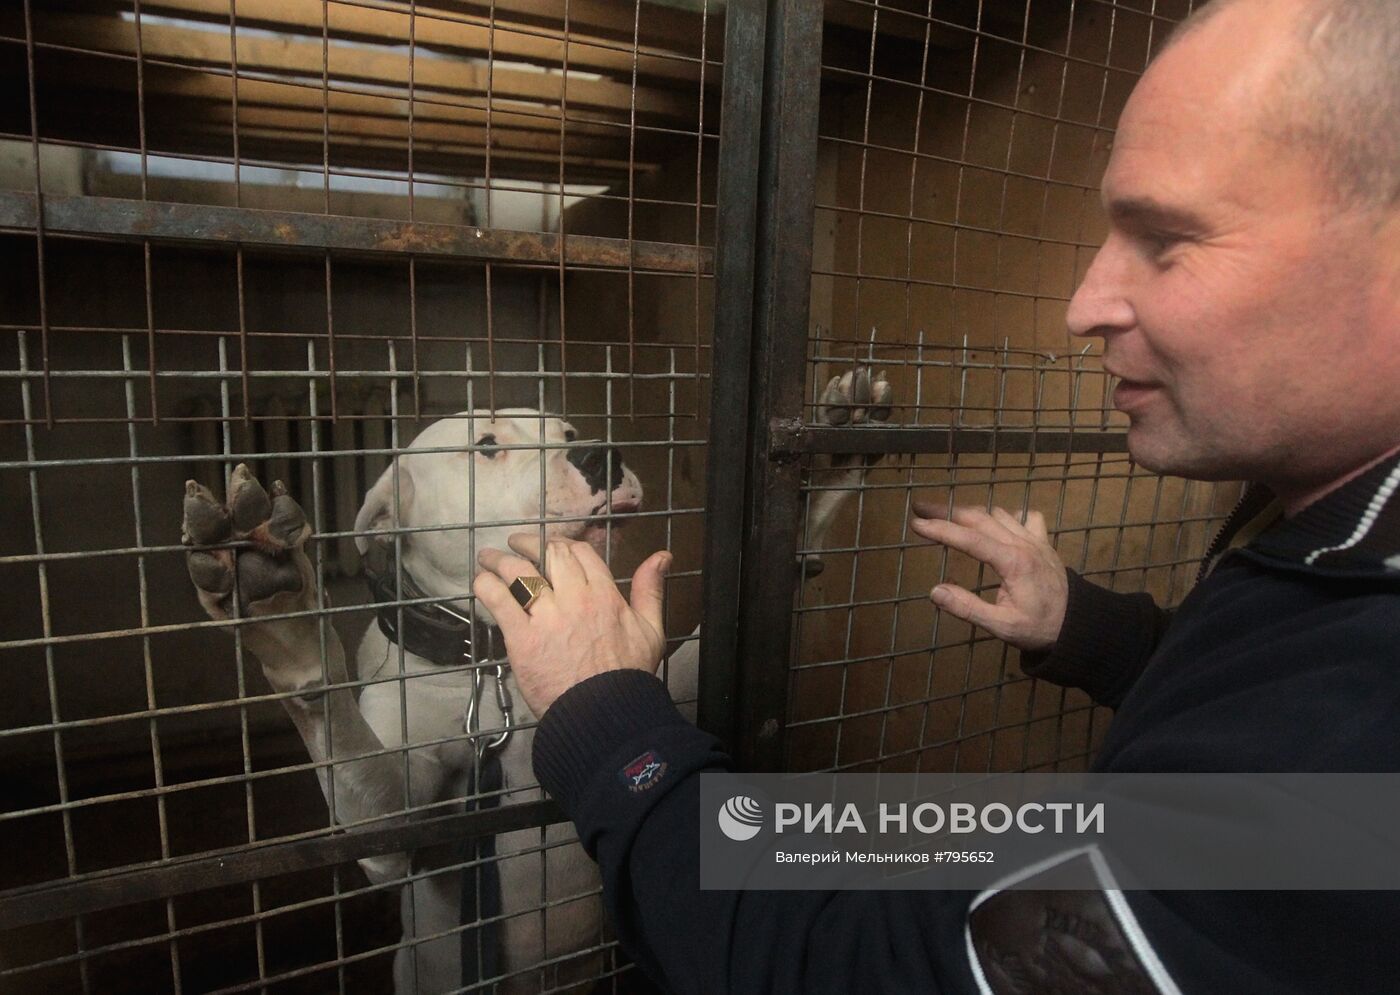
<point x="263" y="561"/>
<point x="856" y="398"/>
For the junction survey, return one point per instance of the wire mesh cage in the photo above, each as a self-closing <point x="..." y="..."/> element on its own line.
<point x="882" y="681"/>
<point x="293" y="236"/>
<point x="958" y="157"/>
<point x="430" y="265"/>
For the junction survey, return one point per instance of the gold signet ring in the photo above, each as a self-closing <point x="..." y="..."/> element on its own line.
<point x="528" y="589"/>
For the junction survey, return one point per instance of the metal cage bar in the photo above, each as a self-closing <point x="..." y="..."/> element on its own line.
<point x="738" y="186"/>
<point x="781" y="272"/>
<point x="106" y="216"/>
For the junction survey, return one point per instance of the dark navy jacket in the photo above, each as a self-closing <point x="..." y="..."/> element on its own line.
<point x="1284" y="657"/>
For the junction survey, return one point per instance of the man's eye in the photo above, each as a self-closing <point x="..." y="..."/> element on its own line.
<point x="1159" y="243"/>
<point x="488" y="443"/>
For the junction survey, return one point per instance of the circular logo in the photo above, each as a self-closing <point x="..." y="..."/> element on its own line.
<point x="740" y="818"/>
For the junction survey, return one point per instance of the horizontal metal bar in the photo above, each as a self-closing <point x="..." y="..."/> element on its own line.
<point x="795" y="439"/>
<point x="172" y="627"/>
<point x="387" y="338"/>
<point x="112" y="889"/>
<point x="39" y="464"/>
<point x="673" y="643"/>
<point x="385" y="375"/>
<point x="618" y="519"/>
<point x="114" y="216"/>
<point x="345" y="894"/>
<point x="319" y="170"/>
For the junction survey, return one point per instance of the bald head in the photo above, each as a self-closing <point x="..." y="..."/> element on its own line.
<point x="1328" y="80"/>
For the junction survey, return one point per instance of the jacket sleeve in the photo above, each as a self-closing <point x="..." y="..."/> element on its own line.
<point x="623" y="763"/>
<point x="1104" y="644"/>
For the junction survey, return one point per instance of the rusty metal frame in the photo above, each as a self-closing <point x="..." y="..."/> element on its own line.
<point x="737" y="199"/>
<point x="782" y="276"/>
<point x="242" y="864"/>
<point x="794" y="438"/>
<point x="134" y="219"/>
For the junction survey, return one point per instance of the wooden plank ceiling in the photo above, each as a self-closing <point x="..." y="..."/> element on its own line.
<point x="369" y="84"/>
<point x="448" y="87"/>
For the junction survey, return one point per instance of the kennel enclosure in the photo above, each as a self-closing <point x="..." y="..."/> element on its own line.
<point x="292" y="234"/>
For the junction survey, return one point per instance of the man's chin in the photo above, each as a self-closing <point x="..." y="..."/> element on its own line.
<point x="1142" y="452"/>
<point x="1176" y="460"/>
<point x="1155" y="458"/>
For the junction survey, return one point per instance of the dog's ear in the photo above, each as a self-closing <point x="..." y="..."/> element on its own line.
<point x="377" y="513"/>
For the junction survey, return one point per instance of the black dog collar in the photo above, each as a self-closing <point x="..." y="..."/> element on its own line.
<point x="429" y="631"/>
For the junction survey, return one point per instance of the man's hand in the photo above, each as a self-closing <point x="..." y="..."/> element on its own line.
<point x="1030" y="604"/>
<point x="581" y="627"/>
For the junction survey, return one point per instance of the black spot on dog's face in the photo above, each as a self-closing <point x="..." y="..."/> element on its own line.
<point x="600" y="464"/>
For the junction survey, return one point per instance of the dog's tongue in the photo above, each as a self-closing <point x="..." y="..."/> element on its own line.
<point x="617" y="511"/>
<point x="595" y="533"/>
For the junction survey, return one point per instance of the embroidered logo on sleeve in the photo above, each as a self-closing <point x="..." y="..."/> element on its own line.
<point x="644" y="772"/>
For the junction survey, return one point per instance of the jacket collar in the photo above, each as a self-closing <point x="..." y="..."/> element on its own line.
<point x="1352" y="532"/>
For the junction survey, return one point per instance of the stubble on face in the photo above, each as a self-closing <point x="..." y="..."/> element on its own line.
<point x="1236" y="351"/>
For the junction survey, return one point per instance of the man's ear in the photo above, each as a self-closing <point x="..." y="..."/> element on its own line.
<point x="377" y="513"/>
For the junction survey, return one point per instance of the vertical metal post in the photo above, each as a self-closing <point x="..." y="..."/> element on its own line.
<point x="736" y="206"/>
<point x="755" y="629"/>
<point x="782" y="292"/>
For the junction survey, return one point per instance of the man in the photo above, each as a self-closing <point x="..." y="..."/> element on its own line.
<point x="1248" y="296"/>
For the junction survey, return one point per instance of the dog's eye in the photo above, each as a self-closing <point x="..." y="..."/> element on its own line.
<point x="487" y="442"/>
<point x="570" y="435"/>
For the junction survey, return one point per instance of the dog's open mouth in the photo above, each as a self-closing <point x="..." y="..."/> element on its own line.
<point x="615" y="515"/>
<point x="604" y="511"/>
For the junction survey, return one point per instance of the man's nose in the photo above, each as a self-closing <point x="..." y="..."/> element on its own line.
<point x="601" y="466"/>
<point x="1100" y="306"/>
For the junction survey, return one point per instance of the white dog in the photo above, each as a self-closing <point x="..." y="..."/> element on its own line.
<point x="462" y="472"/>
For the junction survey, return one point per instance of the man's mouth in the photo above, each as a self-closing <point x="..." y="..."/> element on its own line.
<point x="1130" y="394"/>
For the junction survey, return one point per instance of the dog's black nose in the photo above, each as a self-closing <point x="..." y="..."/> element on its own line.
<point x="594" y="462"/>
